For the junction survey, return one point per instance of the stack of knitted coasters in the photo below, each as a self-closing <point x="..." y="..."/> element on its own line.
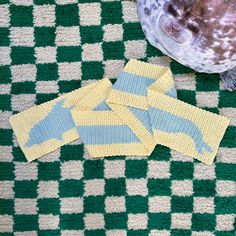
<point x="128" y="118"/>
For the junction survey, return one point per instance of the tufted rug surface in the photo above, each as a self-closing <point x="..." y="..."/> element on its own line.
<point x="51" y="47"/>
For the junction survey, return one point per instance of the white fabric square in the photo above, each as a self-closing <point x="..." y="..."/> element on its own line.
<point x="116" y="233"/>
<point x="159" y="204"/>
<point x="114" y="169"/>
<point x="48" y="189"/>
<point x="160" y="60"/>
<point x="226" y="155"/>
<point x="90" y="14"/>
<point x="48" y="221"/>
<point x="71" y="205"/>
<point x="181" y="220"/>
<point x="113" y="68"/>
<point x="203" y="205"/>
<point x="72" y="232"/>
<point x="26" y="171"/>
<point x="5" y="88"/>
<point x="26" y="206"/>
<point x="71" y="170"/>
<point x="202" y="171"/>
<point x="22" y="2"/>
<point x="94" y="187"/>
<point x="4" y="124"/>
<point x="159" y="233"/>
<point x="22" y="101"/>
<point x="6" y="224"/>
<point x="182" y="187"/>
<point x="94" y="221"/>
<point x="158" y="169"/>
<point x="92" y="52"/>
<point x="137" y="221"/>
<point x="203" y="233"/>
<point x="64" y="2"/>
<point x="68" y="36"/>
<point x="21" y="73"/>
<point x="225" y="222"/>
<point x="5" y="58"/>
<point x="136" y="187"/>
<point x="22" y="36"/>
<point x="185" y="81"/>
<point x="177" y="156"/>
<point x="225" y="188"/>
<point x="4" y="15"/>
<point x="129" y="10"/>
<point x="115" y="204"/>
<point x="230" y="113"/>
<point x="207" y="99"/>
<point x="6" y="189"/>
<point x="69" y="71"/>
<point x="51" y="157"/>
<point x="135" y="49"/>
<point x="26" y="233"/>
<point x="45" y="54"/>
<point x="47" y="87"/>
<point x="6" y="152"/>
<point x="44" y="15"/>
<point x="113" y="32"/>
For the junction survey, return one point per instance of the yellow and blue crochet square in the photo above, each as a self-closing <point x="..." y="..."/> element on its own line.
<point x="130" y="117"/>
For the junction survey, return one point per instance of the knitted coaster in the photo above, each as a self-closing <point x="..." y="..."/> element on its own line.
<point x="129" y="118"/>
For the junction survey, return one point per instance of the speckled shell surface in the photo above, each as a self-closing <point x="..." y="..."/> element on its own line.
<point x="197" y="33"/>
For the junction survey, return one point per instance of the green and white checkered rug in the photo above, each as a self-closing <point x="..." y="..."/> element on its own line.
<point x="50" y="47"/>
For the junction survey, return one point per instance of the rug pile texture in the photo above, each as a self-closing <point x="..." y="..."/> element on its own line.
<point x="51" y="47"/>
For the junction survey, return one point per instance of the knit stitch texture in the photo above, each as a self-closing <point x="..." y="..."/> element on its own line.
<point x="51" y="47"/>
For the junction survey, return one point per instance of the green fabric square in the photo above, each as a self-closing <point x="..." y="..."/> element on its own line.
<point x="27" y="87"/>
<point x="6" y="206"/>
<point x="181" y="204"/>
<point x="225" y="171"/>
<point x="133" y="31"/>
<point x="71" y="221"/>
<point x="178" y="232"/>
<point x="94" y="204"/>
<point x="48" y="232"/>
<point x="136" y="168"/>
<point x="158" y="187"/>
<point x="111" y="12"/>
<point x="227" y="99"/>
<point x="115" y="187"/>
<point x="93" y="169"/>
<point x="22" y="55"/>
<point x="207" y="82"/>
<point x="159" y="221"/>
<point x="187" y="96"/>
<point x="42" y="2"/>
<point x="49" y="170"/>
<point x="113" y="50"/>
<point x="41" y="98"/>
<point x="67" y="15"/>
<point x="68" y="54"/>
<point x="91" y="34"/>
<point x="139" y="232"/>
<point x="49" y="206"/>
<point x="6" y="170"/>
<point x="229" y="139"/>
<point x="47" y="71"/>
<point x="100" y="232"/>
<point x="68" y="86"/>
<point x="178" y="68"/>
<point x="5" y="102"/>
<point x="21" y="15"/>
<point x="204" y="188"/>
<point x="160" y="153"/>
<point x="201" y="222"/>
<point x="4" y="1"/>
<point x="25" y="222"/>
<point x="5" y="75"/>
<point x="115" y="221"/>
<point x="6" y="136"/>
<point x="181" y="170"/>
<point x="18" y="154"/>
<point x="4" y="37"/>
<point x="225" y="233"/>
<point x="136" y="204"/>
<point x="44" y="36"/>
<point x="92" y="70"/>
<point x="151" y="51"/>
<point x="71" y="188"/>
<point x="225" y="205"/>
<point x="26" y="189"/>
<point x="72" y="152"/>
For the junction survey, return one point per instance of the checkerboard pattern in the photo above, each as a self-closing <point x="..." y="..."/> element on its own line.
<point x="50" y="47"/>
